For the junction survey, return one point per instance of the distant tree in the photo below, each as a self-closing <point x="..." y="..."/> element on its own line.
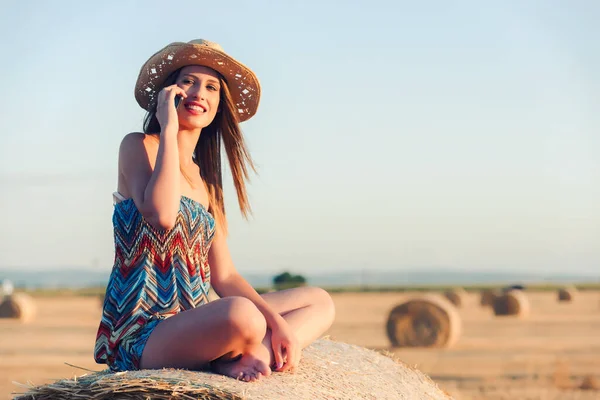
<point x="286" y="280"/>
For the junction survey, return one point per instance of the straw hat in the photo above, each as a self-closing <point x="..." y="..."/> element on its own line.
<point x="242" y="82"/>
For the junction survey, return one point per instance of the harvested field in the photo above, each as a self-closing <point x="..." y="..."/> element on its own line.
<point x="548" y="355"/>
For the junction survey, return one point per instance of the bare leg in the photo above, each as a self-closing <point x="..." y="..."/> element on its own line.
<point x="231" y="333"/>
<point x="225" y="329"/>
<point x="308" y="310"/>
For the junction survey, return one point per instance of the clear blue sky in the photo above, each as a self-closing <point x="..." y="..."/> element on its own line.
<point x="390" y="135"/>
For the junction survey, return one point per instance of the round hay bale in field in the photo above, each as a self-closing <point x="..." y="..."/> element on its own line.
<point x="426" y="321"/>
<point x="590" y="382"/>
<point x="567" y="293"/>
<point x="328" y="370"/>
<point x="513" y="302"/>
<point x="18" y="306"/>
<point x="487" y="297"/>
<point x="457" y="296"/>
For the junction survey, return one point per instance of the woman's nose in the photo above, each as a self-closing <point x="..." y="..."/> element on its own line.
<point x="196" y="93"/>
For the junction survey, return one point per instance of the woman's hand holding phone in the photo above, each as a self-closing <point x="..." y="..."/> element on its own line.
<point x="166" y="110"/>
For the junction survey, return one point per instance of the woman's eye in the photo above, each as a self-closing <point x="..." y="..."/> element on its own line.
<point x="187" y="81"/>
<point x="212" y="87"/>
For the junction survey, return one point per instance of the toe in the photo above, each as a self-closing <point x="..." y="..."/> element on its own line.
<point x="263" y="368"/>
<point x="252" y="376"/>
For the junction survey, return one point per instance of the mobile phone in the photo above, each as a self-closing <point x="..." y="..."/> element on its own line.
<point x="178" y="99"/>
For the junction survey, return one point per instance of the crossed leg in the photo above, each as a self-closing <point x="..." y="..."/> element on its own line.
<point x="308" y="310"/>
<point x="231" y="336"/>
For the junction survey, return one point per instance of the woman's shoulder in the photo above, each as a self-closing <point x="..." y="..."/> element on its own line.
<point x="138" y="146"/>
<point x="139" y="138"/>
<point x="138" y="141"/>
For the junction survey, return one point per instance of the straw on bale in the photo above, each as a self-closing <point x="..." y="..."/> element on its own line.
<point x="328" y="370"/>
<point x="513" y="302"/>
<point x="487" y="297"/>
<point x="457" y="296"/>
<point x="567" y="293"/>
<point x="425" y="321"/>
<point x="18" y="306"/>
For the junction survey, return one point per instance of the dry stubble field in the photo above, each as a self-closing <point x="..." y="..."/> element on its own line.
<point x="545" y="356"/>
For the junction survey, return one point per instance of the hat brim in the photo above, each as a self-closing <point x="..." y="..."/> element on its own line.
<point x="241" y="81"/>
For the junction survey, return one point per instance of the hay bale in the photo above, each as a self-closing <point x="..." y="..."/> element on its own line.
<point x="328" y="370"/>
<point x="487" y="297"/>
<point x="567" y="293"/>
<point x="426" y="321"/>
<point x="590" y="382"/>
<point x="457" y="296"/>
<point x="18" y="306"/>
<point x="513" y="302"/>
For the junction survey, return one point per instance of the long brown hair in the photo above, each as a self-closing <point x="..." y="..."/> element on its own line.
<point x="224" y="128"/>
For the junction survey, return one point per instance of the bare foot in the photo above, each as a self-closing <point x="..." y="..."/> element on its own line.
<point x="250" y="367"/>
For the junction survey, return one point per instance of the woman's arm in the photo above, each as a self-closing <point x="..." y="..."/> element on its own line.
<point x="228" y="282"/>
<point x="152" y="175"/>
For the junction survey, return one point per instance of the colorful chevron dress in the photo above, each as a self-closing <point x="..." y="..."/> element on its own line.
<point x="156" y="274"/>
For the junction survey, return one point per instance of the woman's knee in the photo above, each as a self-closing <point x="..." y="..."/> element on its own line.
<point x="323" y="300"/>
<point x="244" y="319"/>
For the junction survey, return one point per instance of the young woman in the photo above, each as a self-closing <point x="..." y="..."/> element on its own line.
<point x="170" y="232"/>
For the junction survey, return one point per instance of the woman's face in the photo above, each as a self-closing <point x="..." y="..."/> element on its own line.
<point x="203" y="94"/>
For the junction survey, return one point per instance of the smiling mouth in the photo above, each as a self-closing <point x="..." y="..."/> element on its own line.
<point x="195" y="108"/>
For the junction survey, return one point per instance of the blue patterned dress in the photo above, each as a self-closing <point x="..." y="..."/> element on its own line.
<point x="156" y="274"/>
